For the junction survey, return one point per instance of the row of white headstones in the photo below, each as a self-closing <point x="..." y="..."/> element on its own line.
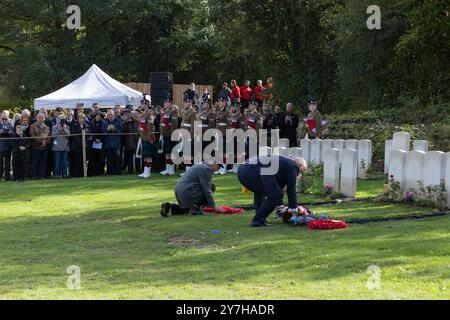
<point x="344" y="160"/>
<point x="410" y="166"/>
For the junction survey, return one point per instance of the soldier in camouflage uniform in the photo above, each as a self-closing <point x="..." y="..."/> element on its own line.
<point x="254" y="121"/>
<point x="149" y="142"/>
<point x="223" y="122"/>
<point x="168" y="124"/>
<point x="188" y="118"/>
<point x="207" y="117"/>
<point x="237" y="121"/>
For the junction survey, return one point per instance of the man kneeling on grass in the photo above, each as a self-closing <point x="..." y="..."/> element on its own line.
<point x="268" y="188"/>
<point x="193" y="191"/>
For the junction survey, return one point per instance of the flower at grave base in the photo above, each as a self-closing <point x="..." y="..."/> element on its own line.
<point x="391" y="177"/>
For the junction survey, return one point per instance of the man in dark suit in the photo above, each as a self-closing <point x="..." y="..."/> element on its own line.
<point x="193" y="191"/>
<point x="268" y="188"/>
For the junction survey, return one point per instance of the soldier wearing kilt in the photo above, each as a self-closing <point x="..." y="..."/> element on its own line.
<point x="237" y="121"/>
<point x="223" y="124"/>
<point x="168" y="124"/>
<point x="254" y="121"/>
<point x="188" y="118"/>
<point x="149" y="141"/>
<point x="208" y="118"/>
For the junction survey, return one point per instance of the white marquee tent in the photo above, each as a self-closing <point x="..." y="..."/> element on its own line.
<point x="94" y="86"/>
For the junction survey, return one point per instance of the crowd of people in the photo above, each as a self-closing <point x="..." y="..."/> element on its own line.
<point x="123" y="139"/>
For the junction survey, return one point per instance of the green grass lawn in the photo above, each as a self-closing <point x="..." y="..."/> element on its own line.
<point x="110" y="227"/>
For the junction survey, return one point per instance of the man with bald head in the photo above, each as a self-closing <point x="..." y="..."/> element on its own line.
<point x="268" y="188"/>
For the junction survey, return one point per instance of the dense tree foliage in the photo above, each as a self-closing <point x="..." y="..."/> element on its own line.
<point x="320" y="47"/>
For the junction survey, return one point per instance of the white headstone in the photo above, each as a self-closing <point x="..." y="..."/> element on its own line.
<point x="351" y="144"/>
<point x="447" y="177"/>
<point x="364" y="157"/>
<point x="420" y="145"/>
<point x="339" y="144"/>
<point x="434" y="168"/>
<point x="316" y="152"/>
<point x="265" y="151"/>
<point x="284" y="143"/>
<point x="414" y="164"/>
<point x="305" y="144"/>
<point x="295" y="152"/>
<point x="280" y="151"/>
<point x="326" y="144"/>
<point x="401" y="141"/>
<point x="349" y="172"/>
<point x="397" y="166"/>
<point x="387" y="152"/>
<point x="331" y="168"/>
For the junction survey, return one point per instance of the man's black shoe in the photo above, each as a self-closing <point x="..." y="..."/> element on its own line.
<point x="257" y="224"/>
<point x="165" y="209"/>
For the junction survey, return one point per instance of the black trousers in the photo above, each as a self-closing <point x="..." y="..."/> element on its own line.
<point x="96" y="165"/>
<point x="266" y="197"/>
<point x="19" y="163"/>
<point x="76" y="164"/>
<point x="129" y="161"/>
<point x="39" y="163"/>
<point x="5" y="157"/>
<point x="114" y="161"/>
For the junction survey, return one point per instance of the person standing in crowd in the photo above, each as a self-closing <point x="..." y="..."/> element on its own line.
<point x="60" y="148"/>
<point x="279" y="120"/>
<point x="225" y="93"/>
<point x="6" y="132"/>
<point x="76" y="146"/>
<point x="207" y="117"/>
<point x="20" y="145"/>
<point x="269" y="88"/>
<point x="58" y="112"/>
<point x="17" y="117"/>
<point x="130" y="141"/>
<point x="40" y="134"/>
<point x="25" y="123"/>
<point x="97" y="127"/>
<point x="223" y="119"/>
<point x="113" y="143"/>
<point x="188" y="119"/>
<point x="205" y="96"/>
<point x="246" y="95"/>
<point x="259" y="95"/>
<point x="237" y="122"/>
<point x="192" y="93"/>
<point x="254" y="122"/>
<point x="291" y="122"/>
<point x="49" y="123"/>
<point x="168" y="124"/>
<point x="314" y="120"/>
<point x="268" y="122"/>
<point x="149" y="142"/>
<point x="235" y="92"/>
<point x="79" y="108"/>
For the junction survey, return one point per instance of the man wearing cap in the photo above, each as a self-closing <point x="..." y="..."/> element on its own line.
<point x="268" y="188"/>
<point x="314" y="120"/>
<point x="168" y="124"/>
<point x="223" y="124"/>
<point x="188" y="118"/>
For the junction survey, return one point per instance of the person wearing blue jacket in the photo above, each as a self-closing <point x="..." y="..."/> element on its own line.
<point x="6" y="131"/>
<point x="268" y="188"/>
<point x="113" y="143"/>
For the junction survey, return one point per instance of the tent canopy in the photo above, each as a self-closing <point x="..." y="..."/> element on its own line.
<point x="94" y="86"/>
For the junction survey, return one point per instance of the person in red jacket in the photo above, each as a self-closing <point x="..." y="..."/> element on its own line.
<point x="246" y="96"/>
<point x="259" y="96"/>
<point x="235" y="93"/>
